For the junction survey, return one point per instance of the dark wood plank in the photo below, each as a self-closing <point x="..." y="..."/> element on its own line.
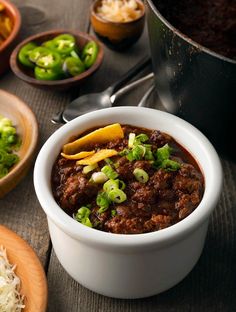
<point x="20" y="210"/>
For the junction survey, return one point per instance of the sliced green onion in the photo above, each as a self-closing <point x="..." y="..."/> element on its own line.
<point x="138" y="152"/>
<point x="110" y="185"/>
<point x="102" y="209"/>
<point x="113" y="212"/>
<point x="109" y="161"/>
<point x="102" y="201"/>
<point x="141" y="138"/>
<point x="170" y="165"/>
<point x="149" y="155"/>
<point x="117" y="196"/>
<point x="99" y="177"/>
<point x="131" y="140"/>
<point x="82" y="216"/>
<point x="141" y="175"/>
<point x="89" y="168"/>
<point x="122" y="185"/>
<point x="109" y="172"/>
<point x="163" y="152"/>
<point x="3" y="171"/>
<point x="124" y="152"/>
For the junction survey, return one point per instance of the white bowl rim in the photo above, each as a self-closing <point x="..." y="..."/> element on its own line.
<point x="100" y="238"/>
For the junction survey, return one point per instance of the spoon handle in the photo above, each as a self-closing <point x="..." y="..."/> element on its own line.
<point x="130" y="74"/>
<point x="144" y="99"/>
<point x="130" y="86"/>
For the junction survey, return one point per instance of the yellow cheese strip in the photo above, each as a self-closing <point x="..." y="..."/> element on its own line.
<point x="78" y="155"/>
<point x="100" y="155"/>
<point x="100" y="136"/>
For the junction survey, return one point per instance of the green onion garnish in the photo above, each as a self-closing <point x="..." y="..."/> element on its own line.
<point x="102" y="201"/>
<point x="141" y="175"/>
<point x="117" y="196"/>
<point x="111" y="185"/>
<point x="82" y="216"/>
<point x="170" y="165"/>
<point x="109" y="172"/>
<point x="163" y="152"/>
<point x="141" y="138"/>
<point x="89" y="168"/>
<point x="131" y="140"/>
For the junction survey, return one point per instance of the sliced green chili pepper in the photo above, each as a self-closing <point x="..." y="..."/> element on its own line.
<point x="46" y="74"/>
<point x="49" y="59"/>
<point x="48" y="44"/>
<point x="64" y="44"/>
<point x="141" y="175"/>
<point x="37" y="52"/>
<point x="74" y="66"/>
<point x="89" y="53"/>
<point x="23" y="55"/>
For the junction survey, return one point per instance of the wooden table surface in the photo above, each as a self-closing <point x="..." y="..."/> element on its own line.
<point x="211" y="286"/>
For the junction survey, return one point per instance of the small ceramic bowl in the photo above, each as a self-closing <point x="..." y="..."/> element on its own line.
<point x="7" y="46"/>
<point x="27" y="128"/>
<point x="117" y="35"/>
<point x="28" y="269"/>
<point x="27" y="75"/>
<point x="132" y="265"/>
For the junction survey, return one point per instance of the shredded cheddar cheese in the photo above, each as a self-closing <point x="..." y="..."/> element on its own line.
<point x="10" y="298"/>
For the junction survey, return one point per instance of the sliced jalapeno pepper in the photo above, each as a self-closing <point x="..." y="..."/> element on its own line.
<point x="89" y="53"/>
<point x="49" y="59"/>
<point x="46" y="74"/>
<point x="36" y="53"/>
<point x="64" y="44"/>
<point x="23" y="55"/>
<point x="74" y="66"/>
<point x="48" y="44"/>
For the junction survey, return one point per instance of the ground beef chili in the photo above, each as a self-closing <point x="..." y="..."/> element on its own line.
<point x="167" y="197"/>
<point x="211" y="23"/>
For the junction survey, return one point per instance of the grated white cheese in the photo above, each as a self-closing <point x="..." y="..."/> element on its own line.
<point x="119" y="10"/>
<point x="10" y="298"/>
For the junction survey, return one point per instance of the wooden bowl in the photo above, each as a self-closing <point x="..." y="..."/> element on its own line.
<point x="27" y="128"/>
<point x="28" y="269"/>
<point x="7" y="46"/>
<point x="115" y="35"/>
<point x="27" y="75"/>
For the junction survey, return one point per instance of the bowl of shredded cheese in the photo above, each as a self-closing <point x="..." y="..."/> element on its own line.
<point x="118" y="23"/>
<point x="23" y="285"/>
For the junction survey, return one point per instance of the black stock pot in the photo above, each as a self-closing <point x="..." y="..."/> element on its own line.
<point x="193" y="82"/>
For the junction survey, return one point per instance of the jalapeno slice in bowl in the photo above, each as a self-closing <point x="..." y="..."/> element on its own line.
<point x="64" y="44"/>
<point x="24" y="52"/>
<point x="74" y="66"/>
<point x="36" y="53"/>
<point x="49" y="59"/>
<point x="47" y="74"/>
<point x="89" y="53"/>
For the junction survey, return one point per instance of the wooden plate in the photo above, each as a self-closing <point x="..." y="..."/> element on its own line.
<point x="29" y="270"/>
<point x="27" y="127"/>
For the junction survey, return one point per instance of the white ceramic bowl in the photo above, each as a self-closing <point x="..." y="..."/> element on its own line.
<point x="129" y="266"/>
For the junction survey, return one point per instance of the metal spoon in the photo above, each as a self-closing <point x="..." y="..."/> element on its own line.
<point x="94" y="101"/>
